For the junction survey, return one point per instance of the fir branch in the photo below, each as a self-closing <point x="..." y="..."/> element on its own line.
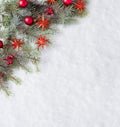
<point x="14" y="31"/>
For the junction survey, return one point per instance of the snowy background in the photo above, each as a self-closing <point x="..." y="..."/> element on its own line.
<point x="79" y="82"/>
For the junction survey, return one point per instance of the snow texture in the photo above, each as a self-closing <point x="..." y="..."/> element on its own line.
<point x="79" y="82"/>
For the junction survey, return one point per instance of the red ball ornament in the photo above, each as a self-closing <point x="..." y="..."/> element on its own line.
<point x="23" y="3"/>
<point x="28" y="20"/>
<point x="1" y="44"/>
<point x="49" y="11"/>
<point x="67" y="2"/>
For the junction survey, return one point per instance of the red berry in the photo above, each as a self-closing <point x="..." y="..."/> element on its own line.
<point x="12" y="56"/>
<point x="67" y="2"/>
<point x="1" y="44"/>
<point x="23" y="3"/>
<point x="49" y="11"/>
<point x="7" y="58"/>
<point x="28" y="20"/>
<point x="9" y="62"/>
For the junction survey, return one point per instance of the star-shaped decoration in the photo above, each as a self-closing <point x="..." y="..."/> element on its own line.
<point x="51" y="1"/>
<point x="16" y="43"/>
<point x="43" y="22"/>
<point x="41" y="41"/>
<point x="80" y="5"/>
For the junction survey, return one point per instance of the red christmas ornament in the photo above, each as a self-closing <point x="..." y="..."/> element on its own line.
<point x="43" y="22"/>
<point x="28" y="20"/>
<point x="17" y="43"/>
<point x="23" y="3"/>
<point x="1" y="44"/>
<point x="80" y="5"/>
<point x="49" y="11"/>
<point x="67" y="2"/>
<point x="42" y="41"/>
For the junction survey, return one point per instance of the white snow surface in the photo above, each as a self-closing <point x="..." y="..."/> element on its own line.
<point x="79" y="81"/>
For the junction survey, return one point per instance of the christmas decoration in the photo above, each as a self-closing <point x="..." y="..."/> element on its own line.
<point x="28" y="20"/>
<point x="16" y="43"/>
<point x="41" y="42"/>
<point x="43" y="23"/>
<point x="67" y="2"/>
<point x="23" y="3"/>
<point x="9" y="59"/>
<point x="26" y="28"/>
<point x="49" y="11"/>
<point x="1" y="44"/>
<point x="80" y="5"/>
<point x="51" y="1"/>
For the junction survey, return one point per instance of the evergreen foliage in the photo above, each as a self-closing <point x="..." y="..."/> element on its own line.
<point x="12" y="26"/>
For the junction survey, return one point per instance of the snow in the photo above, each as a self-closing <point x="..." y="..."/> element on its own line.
<point x="79" y="81"/>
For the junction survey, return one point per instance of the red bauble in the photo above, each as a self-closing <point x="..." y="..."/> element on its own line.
<point x="1" y="44"/>
<point x="67" y="2"/>
<point x="28" y="20"/>
<point x="49" y="11"/>
<point x="23" y="3"/>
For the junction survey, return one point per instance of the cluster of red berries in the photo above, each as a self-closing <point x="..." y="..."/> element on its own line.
<point x="49" y="11"/>
<point x="9" y="59"/>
